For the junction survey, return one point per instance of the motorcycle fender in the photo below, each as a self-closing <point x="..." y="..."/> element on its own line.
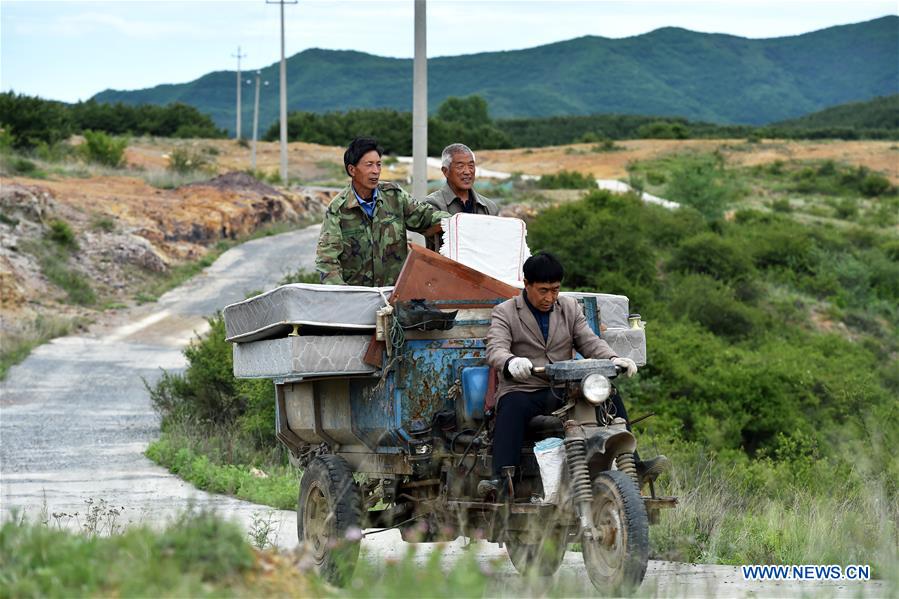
<point x="604" y="443"/>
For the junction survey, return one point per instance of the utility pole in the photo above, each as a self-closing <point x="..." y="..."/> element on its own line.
<point x="420" y="104"/>
<point x="238" y="56"/>
<point x="256" y="121"/>
<point x="283" y="85"/>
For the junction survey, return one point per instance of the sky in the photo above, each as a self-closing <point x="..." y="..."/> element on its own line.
<point x="68" y="50"/>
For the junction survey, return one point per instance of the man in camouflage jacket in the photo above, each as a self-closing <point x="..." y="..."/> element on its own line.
<point x="363" y="236"/>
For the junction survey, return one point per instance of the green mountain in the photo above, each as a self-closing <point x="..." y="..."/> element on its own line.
<point x="670" y="71"/>
<point x="879" y="113"/>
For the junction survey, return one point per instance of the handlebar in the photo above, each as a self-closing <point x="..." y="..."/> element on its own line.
<point x="541" y="370"/>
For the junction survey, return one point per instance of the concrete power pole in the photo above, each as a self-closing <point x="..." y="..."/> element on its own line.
<point x="238" y="56"/>
<point x="283" y="85"/>
<point x="256" y="121"/>
<point x="420" y="104"/>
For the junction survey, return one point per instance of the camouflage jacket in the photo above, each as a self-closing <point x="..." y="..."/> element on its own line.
<point x="354" y="249"/>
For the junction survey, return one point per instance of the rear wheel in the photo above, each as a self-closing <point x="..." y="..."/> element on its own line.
<point x="542" y="558"/>
<point x="329" y="517"/>
<point x="617" y="563"/>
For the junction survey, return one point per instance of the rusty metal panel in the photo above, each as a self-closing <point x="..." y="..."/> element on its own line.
<point x="428" y="275"/>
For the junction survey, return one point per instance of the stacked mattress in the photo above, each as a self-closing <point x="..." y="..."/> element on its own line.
<point x="304" y="330"/>
<point x="613" y="311"/>
<point x="333" y="325"/>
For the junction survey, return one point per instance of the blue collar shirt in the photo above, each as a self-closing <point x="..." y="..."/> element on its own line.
<point x="367" y="205"/>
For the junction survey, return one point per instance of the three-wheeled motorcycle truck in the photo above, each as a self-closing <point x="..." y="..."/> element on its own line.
<point x="404" y="445"/>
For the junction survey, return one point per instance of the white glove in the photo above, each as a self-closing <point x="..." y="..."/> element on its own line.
<point x="520" y="368"/>
<point x="623" y="363"/>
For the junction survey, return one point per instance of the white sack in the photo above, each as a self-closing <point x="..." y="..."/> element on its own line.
<point x="494" y="245"/>
<point x="550" y="454"/>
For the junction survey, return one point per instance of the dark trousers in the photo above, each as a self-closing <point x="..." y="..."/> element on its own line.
<point x="515" y="411"/>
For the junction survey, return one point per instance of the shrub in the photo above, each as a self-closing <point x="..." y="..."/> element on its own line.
<point x="712" y="255"/>
<point x="874" y="184"/>
<point x="656" y="178"/>
<point x="567" y="180"/>
<point x="183" y="161"/>
<point x="711" y="303"/>
<point x="61" y="233"/>
<point x="663" y="130"/>
<point x="781" y="205"/>
<point x="847" y="209"/>
<point x="22" y="166"/>
<point x="600" y="234"/>
<point x="700" y="181"/>
<point x="100" y="148"/>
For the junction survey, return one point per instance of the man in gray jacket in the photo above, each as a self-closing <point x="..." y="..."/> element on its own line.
<point x="458" y="195"/>
<point x="536" y="328"/>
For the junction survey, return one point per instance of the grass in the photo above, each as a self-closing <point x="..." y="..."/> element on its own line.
<point x="767" y="511"/>
<point x="53" y="252"/>
<point x="18" y="344"/>
<point x="212" y="463"/>
<point x="197" y="555"/>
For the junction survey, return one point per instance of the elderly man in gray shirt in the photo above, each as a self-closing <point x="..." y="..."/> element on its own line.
<point x="457" y="195"/>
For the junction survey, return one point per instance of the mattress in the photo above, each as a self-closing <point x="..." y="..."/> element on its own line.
<point x="627" y="343"/>
<point x="302" y="356"/>
<point x="273" y="314"/>
<point x="613" y="309"/>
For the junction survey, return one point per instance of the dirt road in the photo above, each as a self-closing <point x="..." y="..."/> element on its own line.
<point x="75" y="419"/>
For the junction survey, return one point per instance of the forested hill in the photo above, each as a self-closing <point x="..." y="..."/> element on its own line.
<point x="879" y="113"/>
<point x="670" y="71"/>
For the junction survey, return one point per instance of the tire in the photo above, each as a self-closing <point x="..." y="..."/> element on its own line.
<point x="617" y="565"/>
<point x="329" y="517"/>
<point x="541" y="559"/>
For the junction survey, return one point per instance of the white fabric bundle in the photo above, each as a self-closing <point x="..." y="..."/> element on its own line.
<point x="494" y="245"/>
<point x="550" y="454"/>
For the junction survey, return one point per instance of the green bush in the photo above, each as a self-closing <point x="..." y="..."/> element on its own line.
<point x="567" y="180"/>
<point x="61" y="233"/>
<point x="100" y="148"/>
<point x="601" y="234"/>
<point x="874" y="184"/>
<point x="183" y="161"/>
<point x="663" y="130"/>
<point x="709" y="254"/>
<point x="781" y="205"/>
<point x="712" y="304"/>
<point x="701" y="181"/>
<point x="22" y="166"/>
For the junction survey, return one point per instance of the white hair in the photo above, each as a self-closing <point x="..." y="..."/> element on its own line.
<point x="451" y="150"/>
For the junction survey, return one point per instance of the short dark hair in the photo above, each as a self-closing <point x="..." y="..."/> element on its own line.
<point x="358" y="148"/>
<point x="543" y="267"/>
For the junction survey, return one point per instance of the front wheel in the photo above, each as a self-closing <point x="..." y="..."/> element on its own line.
<point x="329" y="517"/>
<point x="542" y="558"/>
<point x="617" y="563"/>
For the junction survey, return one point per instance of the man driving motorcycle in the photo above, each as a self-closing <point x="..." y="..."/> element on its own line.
<point x="536" y="328"/>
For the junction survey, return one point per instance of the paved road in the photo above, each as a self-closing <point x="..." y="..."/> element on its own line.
<point x="75" y="419"/>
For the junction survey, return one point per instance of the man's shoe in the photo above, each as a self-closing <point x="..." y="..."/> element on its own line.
<point x="649" y="470"/>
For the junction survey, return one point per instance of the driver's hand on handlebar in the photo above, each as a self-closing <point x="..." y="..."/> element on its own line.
<point x="625" y="363"/>
<point x="520" y="368"/>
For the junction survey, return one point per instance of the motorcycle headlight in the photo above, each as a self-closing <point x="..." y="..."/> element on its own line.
<point x="596" y="388"/>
